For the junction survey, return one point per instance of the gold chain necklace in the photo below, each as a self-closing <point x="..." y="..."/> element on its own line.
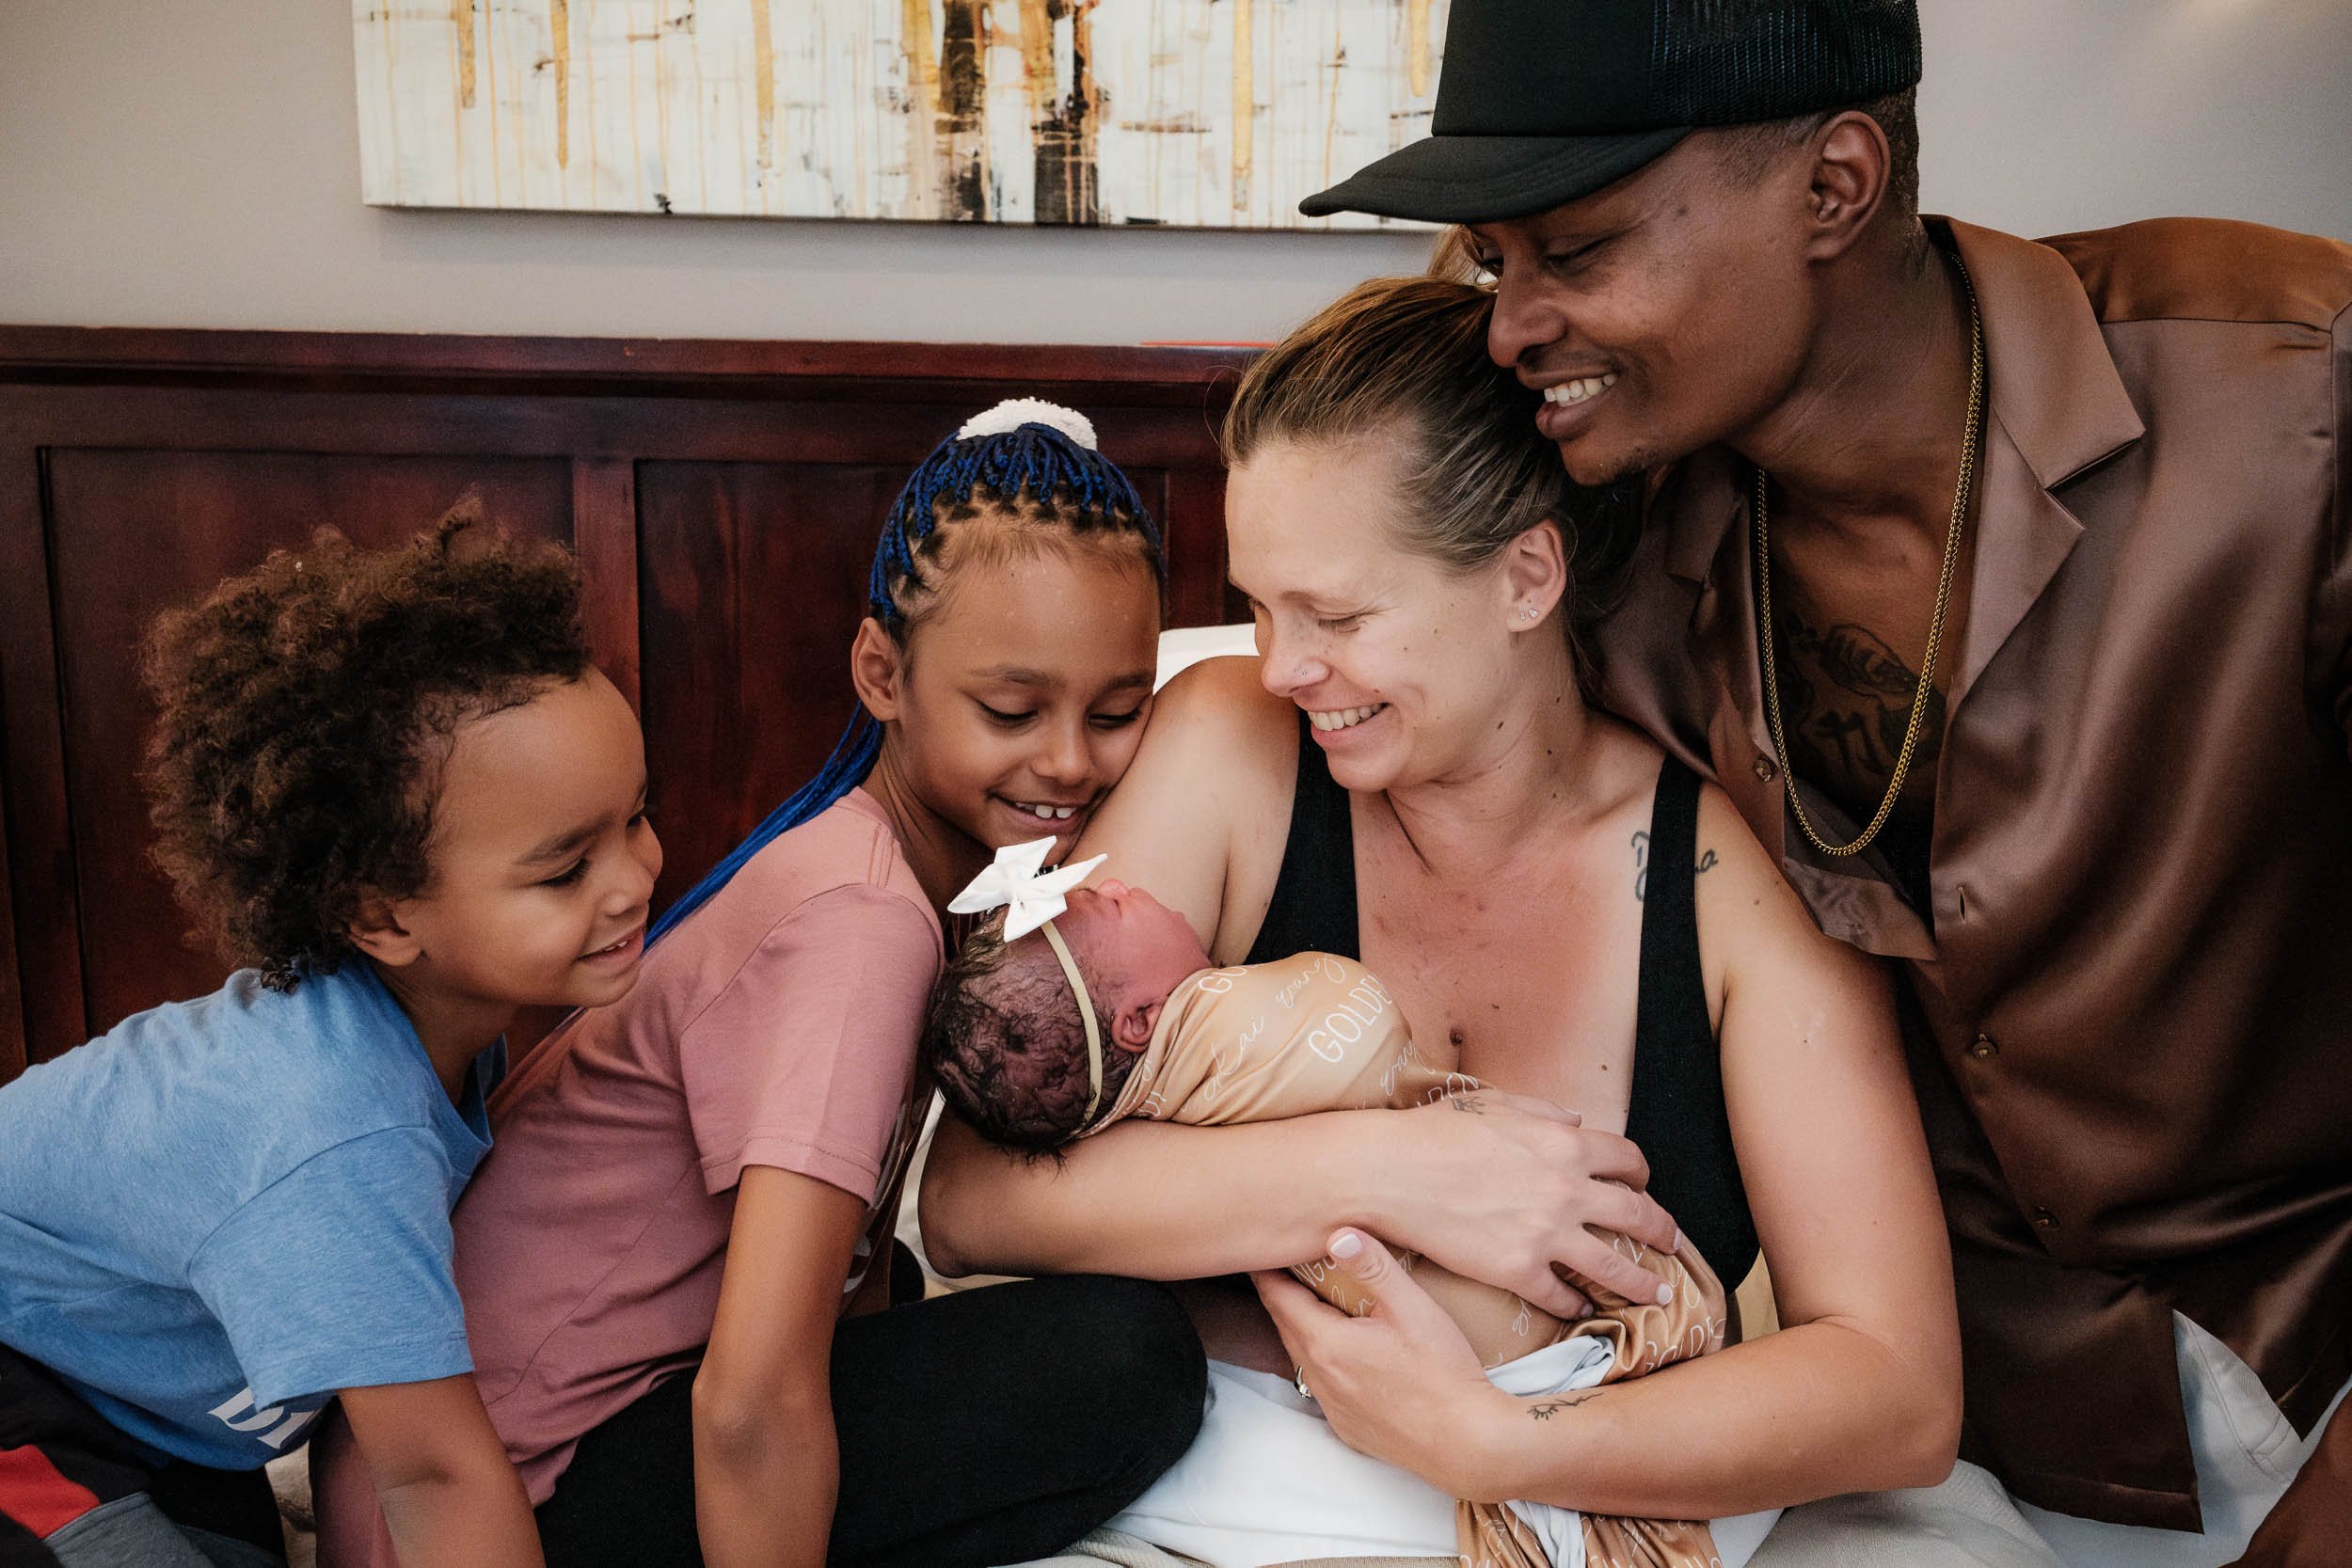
<point x="1935" y="625"/>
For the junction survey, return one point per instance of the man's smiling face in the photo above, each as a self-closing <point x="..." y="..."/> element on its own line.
<point x="1659" y="315"/>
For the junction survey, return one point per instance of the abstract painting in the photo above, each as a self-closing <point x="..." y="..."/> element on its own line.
<point x="1208" y="114"/>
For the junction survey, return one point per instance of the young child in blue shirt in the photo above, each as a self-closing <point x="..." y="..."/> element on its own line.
<point x="394" y="785"/>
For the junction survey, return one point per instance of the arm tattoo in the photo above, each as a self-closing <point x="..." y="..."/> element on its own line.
<point x="1544" y="1410"/>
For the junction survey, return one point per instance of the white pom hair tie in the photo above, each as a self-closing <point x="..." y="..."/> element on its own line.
<point x="1011" y="414"/>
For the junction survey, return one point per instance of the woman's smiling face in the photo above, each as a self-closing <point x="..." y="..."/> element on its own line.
<point x="1021" y="695"/>
<point x="1392" y="655"/>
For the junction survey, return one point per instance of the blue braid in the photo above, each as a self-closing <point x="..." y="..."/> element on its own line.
<point x="852" y="758"/>
<point x="1035" y="459"/>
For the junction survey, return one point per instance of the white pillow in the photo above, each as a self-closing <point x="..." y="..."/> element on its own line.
<point x="1183" y="646"/>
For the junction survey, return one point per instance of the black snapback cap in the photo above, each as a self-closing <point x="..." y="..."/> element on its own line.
<point x="1541" y="101"/>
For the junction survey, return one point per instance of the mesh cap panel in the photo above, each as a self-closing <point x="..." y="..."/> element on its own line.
<point x="1721" y="62"/>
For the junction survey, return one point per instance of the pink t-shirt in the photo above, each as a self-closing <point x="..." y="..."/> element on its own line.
<point x="775" y="1027"/>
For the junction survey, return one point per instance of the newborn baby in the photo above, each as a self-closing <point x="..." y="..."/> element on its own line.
<point x="1182" y="1041"/>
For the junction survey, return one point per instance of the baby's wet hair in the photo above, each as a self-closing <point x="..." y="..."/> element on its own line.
<point x="305" y="709"/>
<point x="1006" y="1043"/>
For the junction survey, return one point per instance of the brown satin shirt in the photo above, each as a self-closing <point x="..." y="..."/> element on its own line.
<point x="2131" y="1008"/>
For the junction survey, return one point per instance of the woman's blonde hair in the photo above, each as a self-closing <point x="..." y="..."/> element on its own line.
<point x="1402" y="361"/>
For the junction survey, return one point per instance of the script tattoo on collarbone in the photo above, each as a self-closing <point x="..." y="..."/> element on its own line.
<point x="1641" y="865"/>
<point x="1845" y="701"/>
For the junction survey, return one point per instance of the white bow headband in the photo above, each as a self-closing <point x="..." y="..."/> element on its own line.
<point x="1017" y="883"/>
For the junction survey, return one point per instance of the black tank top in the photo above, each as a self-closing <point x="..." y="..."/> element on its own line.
<point x="1676" y="1113"/>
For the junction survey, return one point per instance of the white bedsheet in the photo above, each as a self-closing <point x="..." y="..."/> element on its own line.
<point x="1266" y="1482"/>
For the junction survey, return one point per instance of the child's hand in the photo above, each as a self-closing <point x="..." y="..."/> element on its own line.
<point x="1400" y="1383"/>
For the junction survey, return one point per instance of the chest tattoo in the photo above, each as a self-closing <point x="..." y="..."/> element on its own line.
<point x="1844" y="697"/>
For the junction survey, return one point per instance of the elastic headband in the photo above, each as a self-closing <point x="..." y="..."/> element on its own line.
<point x="1085" y="1016"/>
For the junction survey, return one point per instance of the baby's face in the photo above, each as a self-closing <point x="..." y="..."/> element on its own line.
<point x="1132" y="947"/>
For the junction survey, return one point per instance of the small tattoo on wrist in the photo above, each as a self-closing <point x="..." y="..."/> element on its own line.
<point x="1544" y="1410"/>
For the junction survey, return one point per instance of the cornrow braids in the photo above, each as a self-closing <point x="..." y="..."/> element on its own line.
<point x="1036" y="473"/>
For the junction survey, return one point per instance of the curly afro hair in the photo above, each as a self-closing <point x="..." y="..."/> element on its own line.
<point x="305" y="709"/>
<point x="1006" y="1044"/>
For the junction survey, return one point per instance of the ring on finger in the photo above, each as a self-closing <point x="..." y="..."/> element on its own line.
<point x="1298" y="1381"/>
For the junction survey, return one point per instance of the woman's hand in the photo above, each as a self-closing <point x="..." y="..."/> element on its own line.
<point x="1509" y="1189"/>
<point x="1400" y="1384"/>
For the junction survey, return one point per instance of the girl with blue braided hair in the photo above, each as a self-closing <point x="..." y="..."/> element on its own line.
<point x="667" y="1268"/>
<point x="1020" y="497"/>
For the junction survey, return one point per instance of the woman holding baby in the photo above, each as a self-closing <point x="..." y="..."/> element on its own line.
<point x="1410" y="775"/>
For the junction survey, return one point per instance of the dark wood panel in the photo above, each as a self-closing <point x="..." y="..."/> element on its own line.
<point x="11" y="987"/>
<point x="1163" y="373"/>
<point x="32" y="748"/>
<point x="899" y="432"/>
<point x="753" y="584"/>
<point x="136" y="531"/>
<point x="604" y="530"/>
<point x="1199" y="595"/>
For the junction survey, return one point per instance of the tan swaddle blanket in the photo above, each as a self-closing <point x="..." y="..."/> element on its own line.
<point x="1318" y="1033"/>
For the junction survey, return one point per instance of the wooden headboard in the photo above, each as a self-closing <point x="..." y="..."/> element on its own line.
<point x="723" y="497"/>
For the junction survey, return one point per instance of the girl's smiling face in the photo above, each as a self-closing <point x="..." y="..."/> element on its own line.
<point x="1019" y="698"/>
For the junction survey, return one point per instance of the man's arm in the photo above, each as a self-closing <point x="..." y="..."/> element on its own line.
<point x="767" y="1465"/>
<point x="2310" y="1523"/>
<point x="449" y="1493"/>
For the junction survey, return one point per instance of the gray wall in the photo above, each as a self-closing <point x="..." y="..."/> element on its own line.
<point x="195" y="163"/>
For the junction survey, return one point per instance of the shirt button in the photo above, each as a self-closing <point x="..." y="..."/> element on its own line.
<point x="2045" y="1219"/>
<point x="1765" y="769"/>
<point x="1983" y="1048"/>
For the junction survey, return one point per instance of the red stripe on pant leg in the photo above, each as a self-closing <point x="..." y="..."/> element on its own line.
<point x="35" y="1494"/>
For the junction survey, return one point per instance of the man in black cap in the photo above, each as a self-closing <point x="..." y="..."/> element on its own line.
<point x="2054" y="542"/>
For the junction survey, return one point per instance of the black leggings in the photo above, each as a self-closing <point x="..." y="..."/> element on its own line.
<point x="991" y="1426"/>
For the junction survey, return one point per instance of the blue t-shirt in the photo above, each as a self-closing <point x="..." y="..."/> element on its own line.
<point x="220" y="1212"/>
